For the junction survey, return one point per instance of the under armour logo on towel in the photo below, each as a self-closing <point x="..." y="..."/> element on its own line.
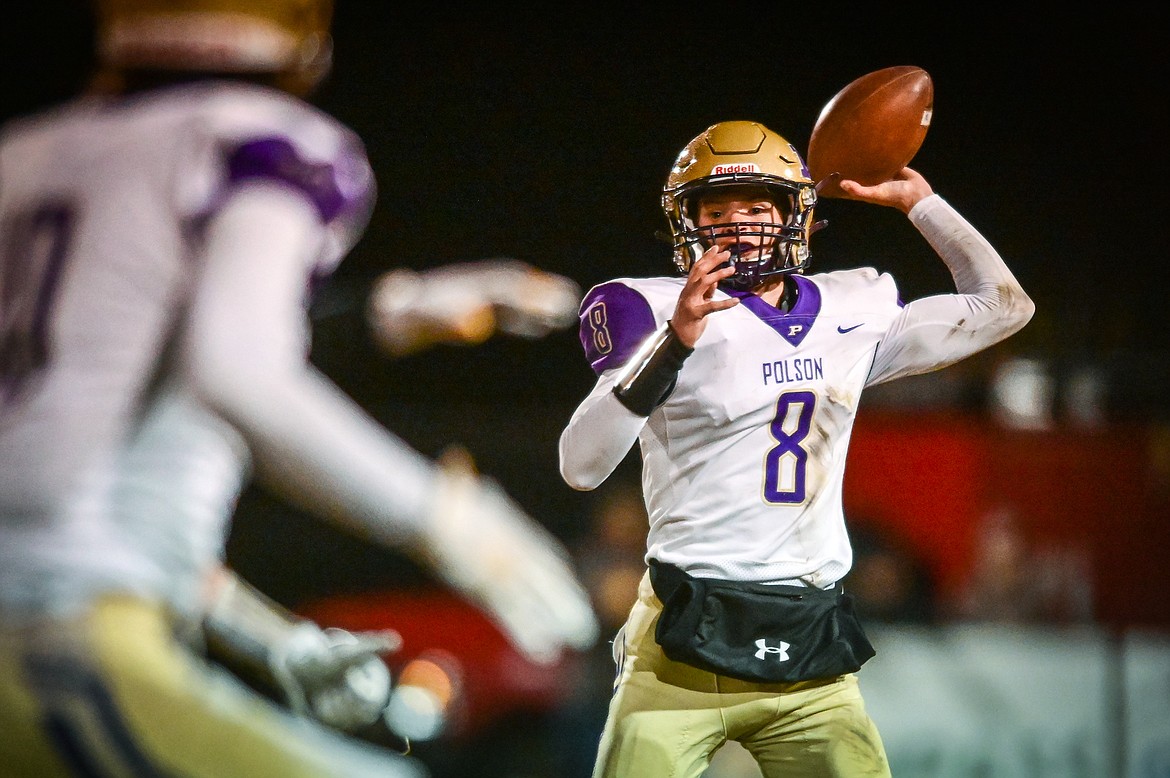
<point x="765" y="649"/>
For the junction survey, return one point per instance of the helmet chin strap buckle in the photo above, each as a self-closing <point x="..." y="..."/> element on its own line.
<point x="757" y="273"/>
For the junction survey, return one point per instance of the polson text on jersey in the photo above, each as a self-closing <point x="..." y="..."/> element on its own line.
<point x="783" y="371"/>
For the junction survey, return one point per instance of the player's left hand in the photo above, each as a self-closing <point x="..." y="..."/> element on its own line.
<point x="483" y="544"/>
<point x="334" y="675"/>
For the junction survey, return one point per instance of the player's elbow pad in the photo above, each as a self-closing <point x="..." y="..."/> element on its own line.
<point x="650" y="376"/>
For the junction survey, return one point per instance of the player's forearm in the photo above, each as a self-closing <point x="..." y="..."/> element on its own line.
<point x="988" y="306"/>
<point x="322" y="451"/>
<point x="976" y="267"/>
<point x="597" y="438"/>
<point x="243" y="355"/>
<point x="241" y="625"/>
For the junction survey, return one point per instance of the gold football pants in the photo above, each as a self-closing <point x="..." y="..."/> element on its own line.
<point x="667" y="718"/>
<point x="113" y="693"/>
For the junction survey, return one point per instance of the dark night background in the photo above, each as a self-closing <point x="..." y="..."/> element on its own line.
<point x="546" y="135"/>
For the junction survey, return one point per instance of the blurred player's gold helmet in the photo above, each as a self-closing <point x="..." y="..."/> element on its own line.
<point x="288" y="39"/>
<point x="739" y="153"/>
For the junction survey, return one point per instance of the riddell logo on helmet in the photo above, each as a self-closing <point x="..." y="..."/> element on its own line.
<point x="738" y="167"/>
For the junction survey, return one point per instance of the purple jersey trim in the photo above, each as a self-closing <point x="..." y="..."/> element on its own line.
<point x="793" y="325"/>
<point x="615" y="321"/>
<point x="333" y="188"/>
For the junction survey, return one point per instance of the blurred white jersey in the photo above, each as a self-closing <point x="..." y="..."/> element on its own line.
<point x="743" y="464"/>
<point x="110" y="478"/>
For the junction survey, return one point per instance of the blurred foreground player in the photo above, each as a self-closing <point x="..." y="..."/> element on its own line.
<point x="159" y="240"/>
<point x="740" y="381"/>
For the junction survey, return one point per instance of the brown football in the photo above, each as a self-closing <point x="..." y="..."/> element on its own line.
<point x="872" y="128"/>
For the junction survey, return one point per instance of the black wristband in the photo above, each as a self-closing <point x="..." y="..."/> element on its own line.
<point x="650" y="375"/>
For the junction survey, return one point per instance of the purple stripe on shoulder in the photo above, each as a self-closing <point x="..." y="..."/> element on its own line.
<point x="615" y="321"/>
<point x="334" y="187"/>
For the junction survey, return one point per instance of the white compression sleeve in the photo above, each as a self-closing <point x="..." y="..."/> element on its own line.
<point x="245" y="353"/>
<point x="937" y="331"/>
<point x="598" y="436"/>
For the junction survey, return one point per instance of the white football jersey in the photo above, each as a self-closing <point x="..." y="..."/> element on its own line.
<point x="110" y="476"/>
<point x="744" y="462"/>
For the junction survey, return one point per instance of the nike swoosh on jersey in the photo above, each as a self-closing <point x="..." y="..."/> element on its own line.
<point x="843" y="330"/>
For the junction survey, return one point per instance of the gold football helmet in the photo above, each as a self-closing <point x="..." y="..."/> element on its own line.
<point x="288" y="39"/>
<point x="740" y="153"/>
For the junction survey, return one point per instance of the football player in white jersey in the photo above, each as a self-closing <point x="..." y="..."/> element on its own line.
<point x="159" y="240"/>
<point x="740" y="379"/>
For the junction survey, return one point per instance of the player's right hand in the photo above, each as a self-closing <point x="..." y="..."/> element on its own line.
<point x="697" y="298"/>
<point x="490" y="550"/>
<point x="467" y="303"/>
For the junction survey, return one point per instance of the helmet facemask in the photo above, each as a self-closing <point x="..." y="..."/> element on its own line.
<point x="759" y="249"/>
<point x="744" y="155"/>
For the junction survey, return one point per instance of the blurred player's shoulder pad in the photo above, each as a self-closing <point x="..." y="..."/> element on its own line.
<point x="295" y="140"/>
<point x="199" y="142"/>
<point x="230" y="131"/>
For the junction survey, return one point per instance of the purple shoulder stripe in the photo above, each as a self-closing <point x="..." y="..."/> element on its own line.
<point x="615" y="321"/>
<point x="336" y="188"/>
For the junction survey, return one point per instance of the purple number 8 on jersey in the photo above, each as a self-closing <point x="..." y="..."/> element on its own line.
<point x="786" y="465"/>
